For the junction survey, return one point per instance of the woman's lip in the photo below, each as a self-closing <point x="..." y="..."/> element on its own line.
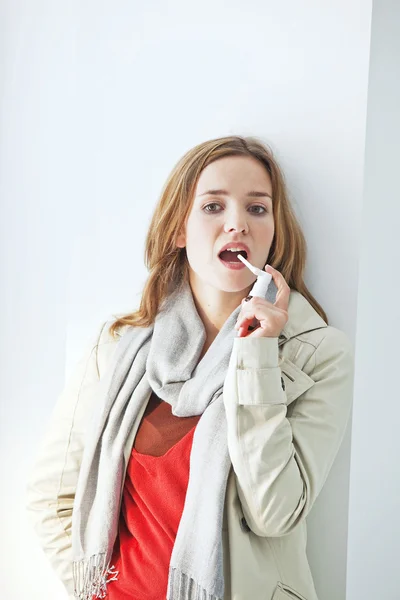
<point x="234" y="266"/>
<point x="240" y="245"/>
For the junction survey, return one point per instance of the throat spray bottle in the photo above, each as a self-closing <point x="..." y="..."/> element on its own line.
<point x="260" y="286"/>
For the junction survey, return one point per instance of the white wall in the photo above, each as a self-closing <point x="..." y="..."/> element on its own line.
<point x="98" y="101"/>
<point x="374" y="522"/>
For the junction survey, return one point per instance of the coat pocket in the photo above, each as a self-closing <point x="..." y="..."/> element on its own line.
<point x="295" y="381"/>
<point x="284" y="592"/>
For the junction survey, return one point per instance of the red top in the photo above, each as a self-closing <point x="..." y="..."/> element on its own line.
<point x="152" y="503"/>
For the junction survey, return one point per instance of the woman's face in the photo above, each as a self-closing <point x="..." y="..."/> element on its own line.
<point x="232" y="203"/>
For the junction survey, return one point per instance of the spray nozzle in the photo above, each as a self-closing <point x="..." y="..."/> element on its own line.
<point x="263" y="279"/>
<point x="254" y="270"/>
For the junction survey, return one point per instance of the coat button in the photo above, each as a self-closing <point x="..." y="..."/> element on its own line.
<point x="243" y="525"/>
<point x="283" y="383"/>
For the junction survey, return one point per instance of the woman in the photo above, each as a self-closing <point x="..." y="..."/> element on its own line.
<point x="187" y="450"/>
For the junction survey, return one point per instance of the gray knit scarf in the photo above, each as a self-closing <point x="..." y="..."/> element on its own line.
<point x="164" y="358"/>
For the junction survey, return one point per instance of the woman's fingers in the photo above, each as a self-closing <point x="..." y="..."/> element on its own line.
<point x="271" y="317"/>
<point x="283" y="293"/>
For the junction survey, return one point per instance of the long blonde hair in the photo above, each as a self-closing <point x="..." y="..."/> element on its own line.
<point x="168" y="265"/>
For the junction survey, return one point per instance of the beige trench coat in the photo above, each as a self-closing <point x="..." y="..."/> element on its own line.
<point x="287" y="403"/>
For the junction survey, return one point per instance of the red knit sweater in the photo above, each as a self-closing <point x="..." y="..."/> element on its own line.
<point x="152" y="503"/>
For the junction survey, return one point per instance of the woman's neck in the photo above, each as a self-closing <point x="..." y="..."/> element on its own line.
<point x="214" y="306"/>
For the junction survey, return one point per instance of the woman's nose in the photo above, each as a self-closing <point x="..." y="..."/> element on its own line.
<point x="236" y="222"/>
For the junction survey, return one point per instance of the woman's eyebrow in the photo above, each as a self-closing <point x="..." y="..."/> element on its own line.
<point x="253" y="193"/>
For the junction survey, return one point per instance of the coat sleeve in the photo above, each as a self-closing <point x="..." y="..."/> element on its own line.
<point x="52" y="481"/>
<point x="281" y="463"/>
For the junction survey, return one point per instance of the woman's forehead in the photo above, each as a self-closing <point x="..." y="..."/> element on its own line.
<point x="234" y="174"/>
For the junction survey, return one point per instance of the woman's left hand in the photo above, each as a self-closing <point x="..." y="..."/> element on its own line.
<point x="272" y="317"/>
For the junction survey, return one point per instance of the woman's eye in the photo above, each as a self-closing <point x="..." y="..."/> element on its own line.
<point x="259" y="212"/>
<point x="208" y="206"/>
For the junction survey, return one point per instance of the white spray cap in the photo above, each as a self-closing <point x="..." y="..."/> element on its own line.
<point x="260" y="287"/>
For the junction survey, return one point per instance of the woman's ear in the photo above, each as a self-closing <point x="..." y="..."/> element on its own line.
<point x="181" y="240"/>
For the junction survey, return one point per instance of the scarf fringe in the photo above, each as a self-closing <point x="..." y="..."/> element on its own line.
<point x="182" y="586"/>
<point x="92" y="576"/>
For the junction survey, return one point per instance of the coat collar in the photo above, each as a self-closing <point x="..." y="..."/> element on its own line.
<point x="302" y="317"/>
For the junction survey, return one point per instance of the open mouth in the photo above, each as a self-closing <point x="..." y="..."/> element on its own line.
<point x="232" y="257"/>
